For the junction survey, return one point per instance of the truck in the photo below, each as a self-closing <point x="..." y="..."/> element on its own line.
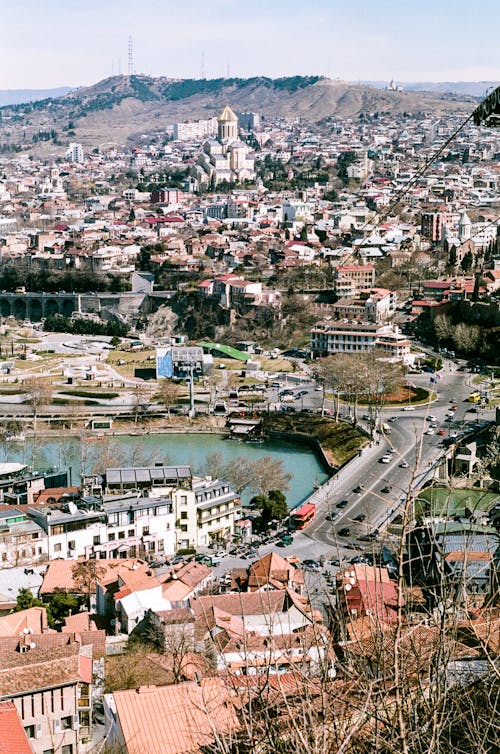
<point x="384" y="428"/>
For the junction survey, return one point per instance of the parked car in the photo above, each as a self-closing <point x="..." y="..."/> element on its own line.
<point x="359" y="517"/>
<point x="403" y="465"/>
<point x="385" y="459"/>
<point x="311" y="565"/>
<point x="386" y="489"/>
<point x="408" y="408"/>
<point x="430" y="431"/>
<point x="342" y="503"/>
<point x="331" y="516"/>
<point x="358" y="489"/>
<point x="344" y="532"/>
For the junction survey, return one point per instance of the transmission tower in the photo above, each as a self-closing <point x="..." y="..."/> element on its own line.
<point x="130" y="56"/>
<point x="202" y="71"/>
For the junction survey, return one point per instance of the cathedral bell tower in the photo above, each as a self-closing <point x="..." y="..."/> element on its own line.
<point x="227" y="126"/>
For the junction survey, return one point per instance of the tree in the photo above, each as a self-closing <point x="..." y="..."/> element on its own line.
<point x="240" y="473"/>
<point x="86" y="574"/>
<point x="269" y="474"/>
<point x="61" y="605"/>
<point x="467" y="261"/>
<point x="272" y="507"/>
<point x="452" y="258"/>
<point x="140" y="398"/>
<point x="25" y="600"/>
<point x="168" y="394"/>
<point x="39" y="391"/>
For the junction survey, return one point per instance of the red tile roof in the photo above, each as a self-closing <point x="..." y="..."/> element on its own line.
<point x="13" y="739"/>
<point x="175" y="719"/>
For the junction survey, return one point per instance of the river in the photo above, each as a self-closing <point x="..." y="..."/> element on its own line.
<point x="174" y="449"/>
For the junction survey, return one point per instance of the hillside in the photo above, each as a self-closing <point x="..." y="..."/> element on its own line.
<point x="122" y="108"/>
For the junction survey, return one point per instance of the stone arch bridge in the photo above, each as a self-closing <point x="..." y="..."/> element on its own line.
<point x="37" y="306"/>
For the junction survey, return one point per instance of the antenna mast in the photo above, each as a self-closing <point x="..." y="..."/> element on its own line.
<point x="202" y="64"/>
<point x="130" y="56"/>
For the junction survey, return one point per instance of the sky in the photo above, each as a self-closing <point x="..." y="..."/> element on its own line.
<point x="49" y="43"/>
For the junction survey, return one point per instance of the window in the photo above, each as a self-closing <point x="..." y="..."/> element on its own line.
<point x="112" y="537"/>
<point x="131" y="532"/>
<point x="96" y="540"/>
<point x="84" y="719"/>
<point x="4" y="556"/>
<point x="68" y="749"/>
<point x="71" y="544"/>
<point x="121" y="535"/>
<point x="48" y="751"/>
<point x="66" y="723"/>
<point x="30" y="731"/>
<point x="145" y="531"/>
<point x="57" y="547"/>
<point x="184" y="515"/>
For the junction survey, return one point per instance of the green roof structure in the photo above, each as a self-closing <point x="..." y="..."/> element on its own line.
<point x="217" y="349"/>
<point x="439" y="501"/>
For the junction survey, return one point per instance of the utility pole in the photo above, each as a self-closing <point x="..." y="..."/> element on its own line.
<point x="130" y="56"/>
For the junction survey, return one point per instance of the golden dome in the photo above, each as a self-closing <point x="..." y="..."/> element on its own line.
<point x="227" y="115"/>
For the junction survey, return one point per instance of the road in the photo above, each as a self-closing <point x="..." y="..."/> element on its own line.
<point x="321" y="539"/>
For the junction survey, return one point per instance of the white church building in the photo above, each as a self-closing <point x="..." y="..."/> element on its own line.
<point x="225" y="158"/>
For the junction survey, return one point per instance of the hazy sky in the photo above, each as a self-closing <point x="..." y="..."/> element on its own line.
<point x="46" y="43"/>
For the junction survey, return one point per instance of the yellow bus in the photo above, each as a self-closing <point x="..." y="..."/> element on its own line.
<point x="474" y="397"/>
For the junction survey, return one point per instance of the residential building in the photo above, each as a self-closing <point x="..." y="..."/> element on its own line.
<point x="192" y="130"/>
<point x="353" y="279"/>
<point x="349" y="337"/>
<point x="269" y="572"/>
<point x="51" y="690"/>
<point x="189" y="717"/>
<point x="204" y="509"/>
<point x="75" y="153"/>
<point x="115" y="527"/>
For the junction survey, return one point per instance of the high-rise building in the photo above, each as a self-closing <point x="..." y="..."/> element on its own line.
<point x="75" y="153"/>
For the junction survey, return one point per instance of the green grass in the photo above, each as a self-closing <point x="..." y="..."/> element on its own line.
<point x="339" y="440"/>
<point x="67" y="402"/>
<point x="89" y="394"/>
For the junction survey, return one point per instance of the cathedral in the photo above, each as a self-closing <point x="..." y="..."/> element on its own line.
<point x="225" y="158"/>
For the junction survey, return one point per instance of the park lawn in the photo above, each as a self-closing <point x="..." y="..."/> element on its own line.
<point x="133" y="360"/>
<point x="339" y="440"/>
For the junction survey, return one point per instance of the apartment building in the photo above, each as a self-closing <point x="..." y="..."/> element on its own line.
<point x="197" y="129"/>
<point x="353" y="279"/>
<point x="115" y="527"/>
<point x="51" y="689"/>
<point x="355" y="337"/>
<point x="204" y="509"/>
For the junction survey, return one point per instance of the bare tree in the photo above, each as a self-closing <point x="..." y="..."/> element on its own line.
<point x="39" y="391"/>
<point x="140" y="399"/>
<point x="168" y="394"/>
<point x="86" y="574"/>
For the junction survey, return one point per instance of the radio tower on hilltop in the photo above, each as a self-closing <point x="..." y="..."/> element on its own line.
<point x="130" y="56"/>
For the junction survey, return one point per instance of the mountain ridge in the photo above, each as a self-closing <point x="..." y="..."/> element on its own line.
<point x="128" y="106"/>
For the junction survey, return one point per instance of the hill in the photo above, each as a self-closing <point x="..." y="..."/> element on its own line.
<point x="468" y="88"/>
<point x="125" y="107"/>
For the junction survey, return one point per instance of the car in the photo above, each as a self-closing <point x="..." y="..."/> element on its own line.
<point x="311" y="565"/>
<point x="453" y="408"/>
<point x="430" y="418"/>
<point x="358" y="489"/>
<point x="331" y="516"/>
<point x="386" y="489"/>
<point x="344" y="532"/>
<point x="360" y="517"/>
<point x="448" y="418"/>
<point x="318" y="388"/>
<point x="408" y="408"/>
<point x="392" y="419"/>
<point x="404" y="465"/>
<point x="342" y="503"/>
<point x="335" y="562"/>
<point x="430" y="431"/>
<point x="221" y="554"/>
<point x="385" y="459"/>
<point x="362" y="538"/>
<point x="442" y="432"/>
<point x="390" y="451"/>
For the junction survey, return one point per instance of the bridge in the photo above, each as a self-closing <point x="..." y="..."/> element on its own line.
<point x="36" y="306"/>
